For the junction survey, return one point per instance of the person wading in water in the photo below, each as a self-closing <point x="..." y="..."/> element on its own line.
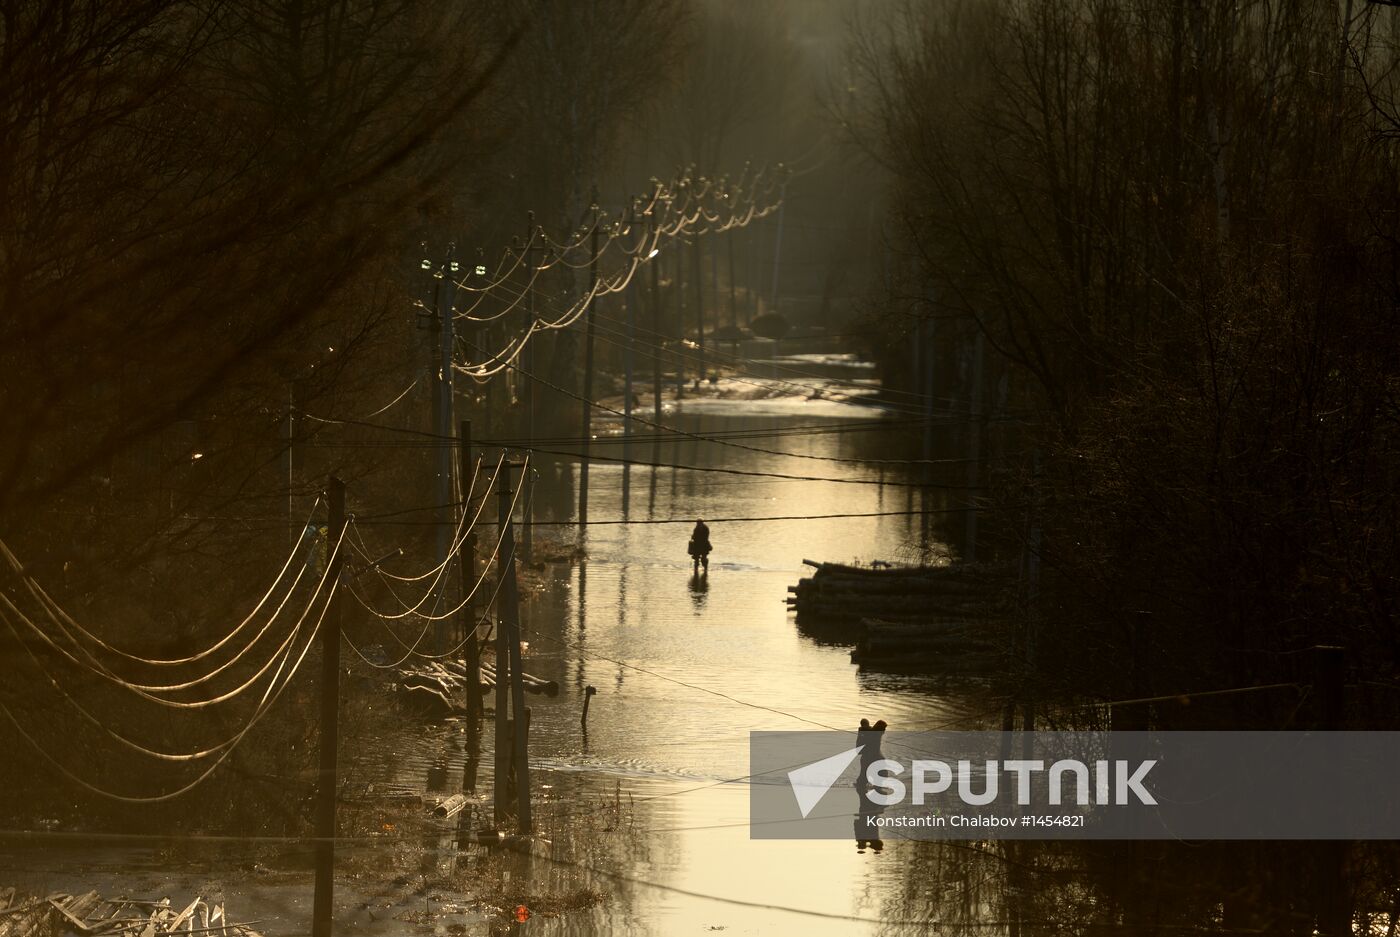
<point x="700" y="548"/>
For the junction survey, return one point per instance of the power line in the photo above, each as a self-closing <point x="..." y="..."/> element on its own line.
<point x="475" y="586"/>
<point x="755" y="473"/>
<point x="45" y="600"/>
<point x="656" y="229"/>
<point x="256" y="717"/>
<point x="750" y="520"/>
<point x="95" y="666"/>
<point x="458" y="538"/>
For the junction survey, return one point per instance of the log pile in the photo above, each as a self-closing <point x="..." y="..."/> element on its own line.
<point x="946" y="619"/>
<point x="90" y="914"/>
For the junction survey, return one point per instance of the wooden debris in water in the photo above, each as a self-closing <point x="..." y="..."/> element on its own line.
<point x="89" y="913"/>
<point x="440" y="687"/>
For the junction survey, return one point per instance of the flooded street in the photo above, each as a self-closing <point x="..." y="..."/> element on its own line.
<point x="375" y="379"/>
<point x="649" y="806"/>
<point x="685" y="668"/>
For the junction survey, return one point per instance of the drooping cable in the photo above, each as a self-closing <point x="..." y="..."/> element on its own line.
<point x="19" y="570"/>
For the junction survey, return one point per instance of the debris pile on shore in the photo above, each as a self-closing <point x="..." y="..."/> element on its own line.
<point x="439" y="687"/>
<point x="89" y="913"/>
<point x="946" y="619"/>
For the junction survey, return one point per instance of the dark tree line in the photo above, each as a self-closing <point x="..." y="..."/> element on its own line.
<point x="210" y="226"/>
<point x="1174" y="225"/>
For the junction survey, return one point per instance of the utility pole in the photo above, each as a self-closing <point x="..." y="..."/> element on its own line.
<point x="442" y="425"/>
<point x="587" y="407"/>
<point x="678" y="292"/>
<point x="328" y="739"/>
<point x="656" y="334"/>
<point x="750" y="276"/>
<point x="733" y="284"/>
<point x="778" y="241"/>
<point x="699" y="275"/>
<point x="512" y="747"/>
<point x="714" y="277"/>
<point x="467" y="561"/>
<point x="501" y="775"/>
<point x="520" y="744"/>
<point x="627" y="386"/>
<point x="528" y="391"/>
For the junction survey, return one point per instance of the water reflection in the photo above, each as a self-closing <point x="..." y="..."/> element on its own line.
<point x="699" y="587"/>
<point x="657" y="762"/>
<point x="581" y="622"/>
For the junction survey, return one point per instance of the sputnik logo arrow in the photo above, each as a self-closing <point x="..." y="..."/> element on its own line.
<point x="811" y="782"/>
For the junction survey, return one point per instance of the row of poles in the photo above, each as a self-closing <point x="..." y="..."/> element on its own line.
<point x="511" y="776"/>
<point x="443" y="342"/>
<point x="512" y="717"/>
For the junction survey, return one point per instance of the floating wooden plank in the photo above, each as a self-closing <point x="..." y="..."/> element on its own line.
<point x="450" y="806"/>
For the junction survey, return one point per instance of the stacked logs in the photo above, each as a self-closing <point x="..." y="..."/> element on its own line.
<point x="946" y="619"/>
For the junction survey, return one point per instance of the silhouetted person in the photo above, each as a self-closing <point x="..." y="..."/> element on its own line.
<point x="868" y="737"/>
<point x="866" y="827"/>
<point x="700" y="547"/>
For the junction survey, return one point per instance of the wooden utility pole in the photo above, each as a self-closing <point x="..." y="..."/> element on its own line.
<point x="627" y="389"/>
<point x="678" y="297"/>
<point x="587" y="405"/>
<point x="520" y="747"/>
<point x="444" y="291"/>
<point x="528" y="390"/>
<point x="511" y="732"/>
<point x="328" y="740"/>
<point x="501" y="775"/>
<point x="656" y="335"/>
<point x="698" y="273"/>
<point x="467" y="562"/>
<point x="714" y="278"/>
<point x="778" y="242"/>
<point x="733" y="284"/>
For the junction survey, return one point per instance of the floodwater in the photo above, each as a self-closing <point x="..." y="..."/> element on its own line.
<point x="685" y="667"/>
